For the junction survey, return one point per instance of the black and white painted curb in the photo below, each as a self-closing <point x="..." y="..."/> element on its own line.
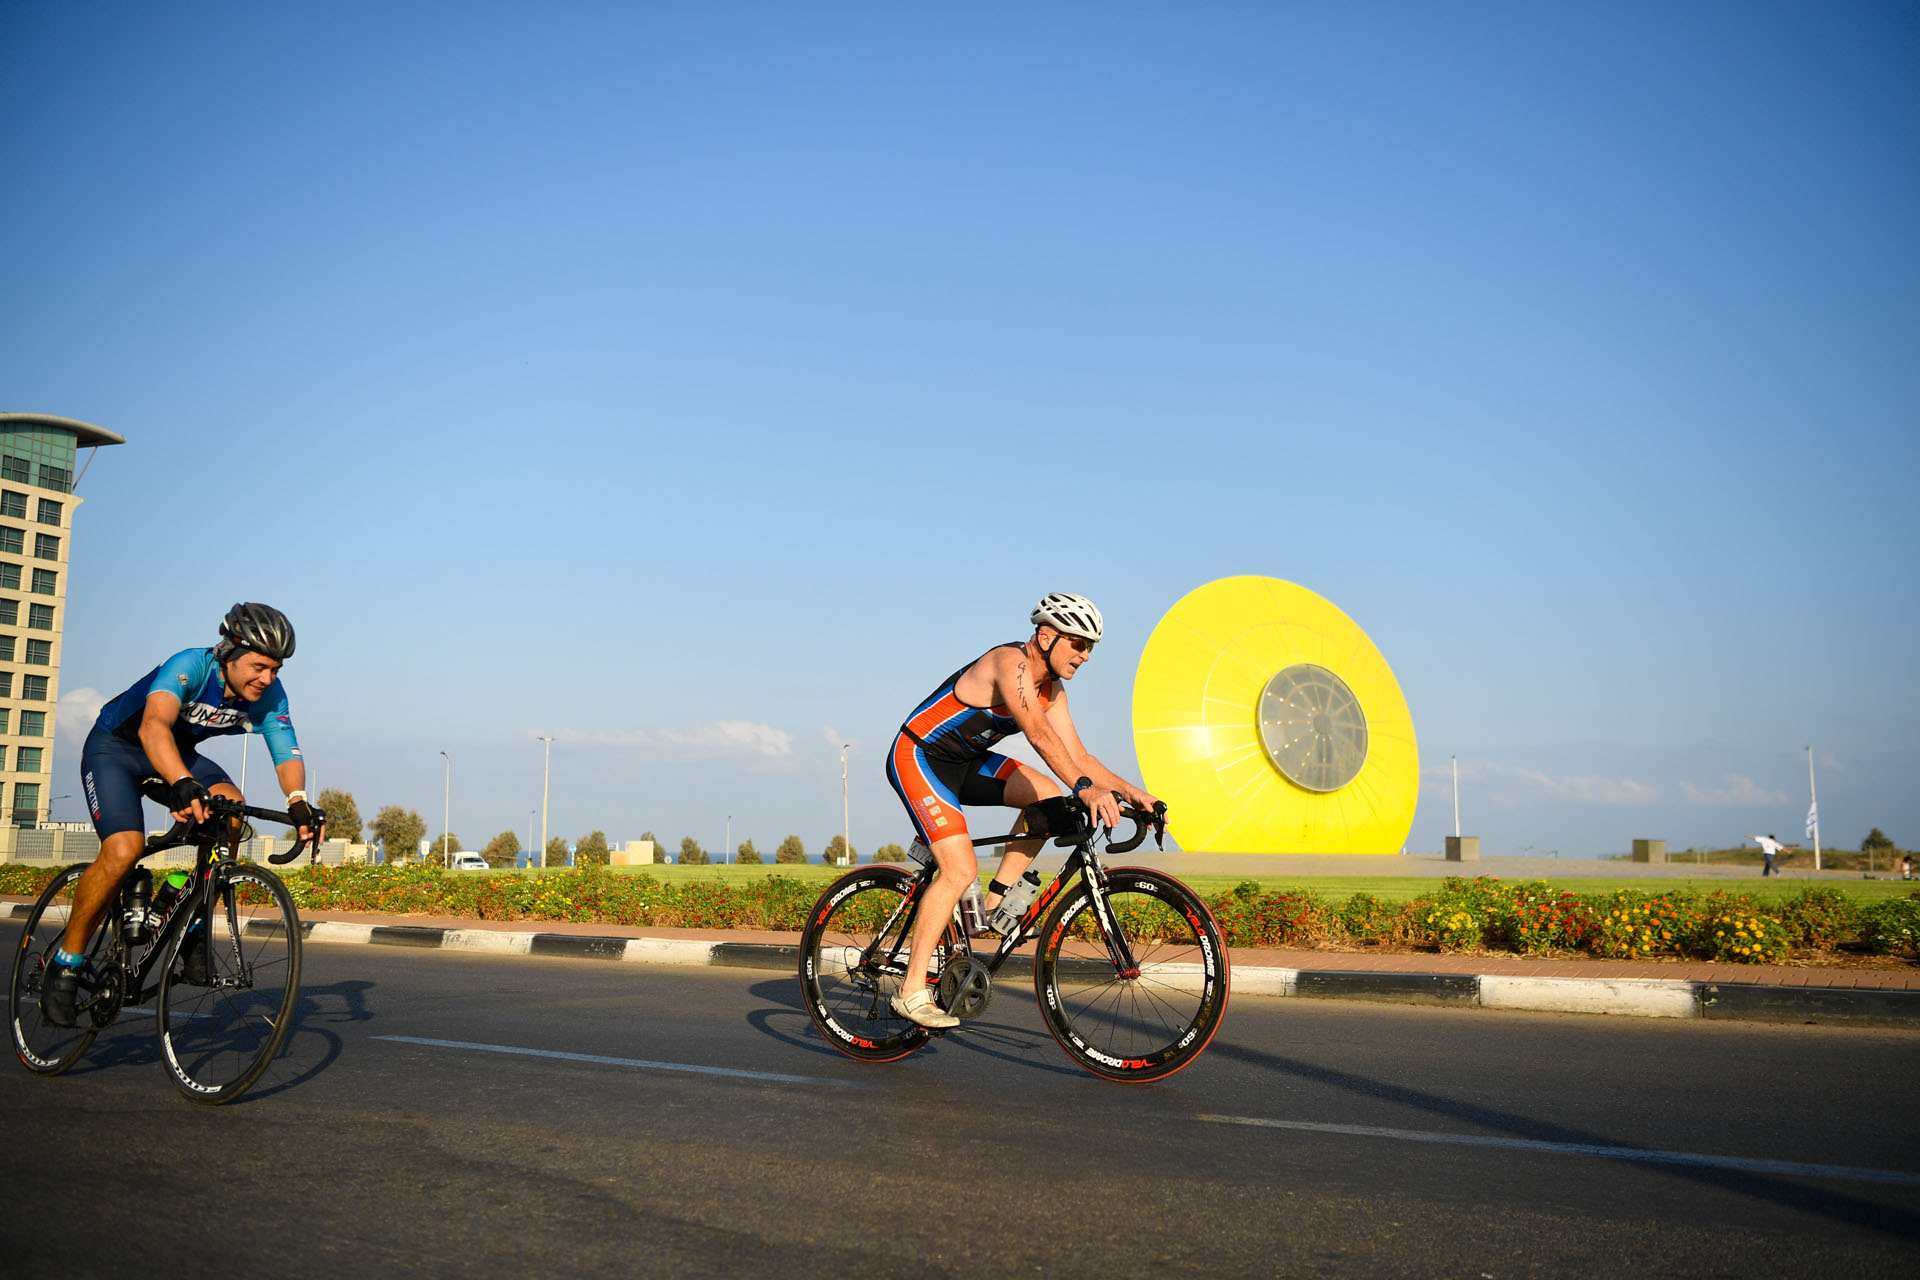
<point x="1635" y="997"/>
<point x="1631" y="997"/>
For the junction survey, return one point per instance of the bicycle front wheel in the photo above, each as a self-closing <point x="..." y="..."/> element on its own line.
<point x="224" y="1015"/>
<point x="1150" y="1021"/>
<point x="43" y="1048"/>
<point x="853" y="955"/>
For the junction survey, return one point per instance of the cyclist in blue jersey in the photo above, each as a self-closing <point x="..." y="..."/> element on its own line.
<point x="942" y="759"/>
<point x="153" y="730"/>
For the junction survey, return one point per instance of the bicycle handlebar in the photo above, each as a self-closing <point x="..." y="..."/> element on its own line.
<point x="185" y="832"/>
<point x="1142" y="820"/>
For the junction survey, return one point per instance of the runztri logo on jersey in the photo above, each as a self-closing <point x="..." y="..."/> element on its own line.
<point x="200" y="715"/>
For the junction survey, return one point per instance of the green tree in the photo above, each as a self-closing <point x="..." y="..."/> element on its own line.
<point x="343" y="816"/>
<point x="442" y="850"/>
<point x="556" y="852"/>
<point x="1876" y="842"/>
<point x="691" y="854"/>
<point x="503" y="850"/>
<point x="592" y="848"/>
<point x="790" y="850"/>
<point x="746" y="854"/>
<point x="399" y="832"/>
<point x="889" y="853"/>
<point x="839" y="853"/>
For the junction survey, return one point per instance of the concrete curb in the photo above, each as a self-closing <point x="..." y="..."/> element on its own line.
<point x="1627" y="997"/>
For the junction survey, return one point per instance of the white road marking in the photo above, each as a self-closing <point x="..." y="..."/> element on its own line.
<point x="641" y="1063"/>
<point x="1739" y="1164"/>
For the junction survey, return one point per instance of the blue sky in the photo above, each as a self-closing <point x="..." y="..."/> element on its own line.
<point x="702" y="383"/>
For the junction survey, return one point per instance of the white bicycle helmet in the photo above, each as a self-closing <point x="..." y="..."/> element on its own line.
<point x="1068" y="614"/>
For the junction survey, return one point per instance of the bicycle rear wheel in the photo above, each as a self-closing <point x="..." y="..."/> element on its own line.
<point x="43" y="1048"/>
<point x="219" y="1032"/>
<point x="1148" y="1023"/>
<point x="852" y="957"/>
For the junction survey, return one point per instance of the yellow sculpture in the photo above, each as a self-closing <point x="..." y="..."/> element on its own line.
<point x="1269" y="723"/>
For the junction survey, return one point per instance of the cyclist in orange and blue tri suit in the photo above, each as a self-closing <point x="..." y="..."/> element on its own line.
<point x="943" y="759"/>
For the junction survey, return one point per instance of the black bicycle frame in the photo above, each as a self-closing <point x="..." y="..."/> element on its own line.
<point x="196" y="900"/>
<point x="1081" y="859"/>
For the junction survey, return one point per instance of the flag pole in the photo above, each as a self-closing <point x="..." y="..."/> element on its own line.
<point x="1813" y="810"/>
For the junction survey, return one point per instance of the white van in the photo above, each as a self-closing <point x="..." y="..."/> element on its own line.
<point x="466" y="860"/>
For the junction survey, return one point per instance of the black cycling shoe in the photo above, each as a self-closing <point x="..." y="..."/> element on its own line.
<point x="59" y="994"/>
<point x="193" y="960"/>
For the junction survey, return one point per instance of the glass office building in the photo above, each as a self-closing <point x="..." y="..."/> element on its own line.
<point x="37" y="478"/>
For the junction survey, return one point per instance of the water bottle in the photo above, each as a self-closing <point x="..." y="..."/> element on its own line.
<point x="169" y="893"/>
<point x="1014" y="904"/>
<point x="973" y="911"/>
<point x="139" y="898"/>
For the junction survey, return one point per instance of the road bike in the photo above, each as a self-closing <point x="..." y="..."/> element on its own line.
<point x="221" y="962"/>
<point x="1128" y="966"/>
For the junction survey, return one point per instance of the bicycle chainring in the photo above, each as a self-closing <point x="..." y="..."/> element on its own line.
<point x="966" y="988"/>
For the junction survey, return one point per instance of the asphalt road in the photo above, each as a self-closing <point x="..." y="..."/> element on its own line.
<point x="448" y="1113"/>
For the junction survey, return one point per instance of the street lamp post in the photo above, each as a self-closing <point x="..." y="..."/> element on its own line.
<point x="446" y="808"/>
<point x="545" y="779"/>
<point x="846" y="823"/>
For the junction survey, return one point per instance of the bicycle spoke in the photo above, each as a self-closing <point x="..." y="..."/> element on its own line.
<point x="1144" y="1024"/>
<point x="43" y="1048"/>
<point x="852" y="958"/>
<point x="219" y="1029"/>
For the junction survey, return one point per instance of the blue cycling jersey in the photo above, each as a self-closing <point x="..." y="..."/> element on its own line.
<point x="207" y="710"/>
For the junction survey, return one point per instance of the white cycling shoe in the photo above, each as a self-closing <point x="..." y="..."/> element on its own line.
<point x="919" y="1007"/>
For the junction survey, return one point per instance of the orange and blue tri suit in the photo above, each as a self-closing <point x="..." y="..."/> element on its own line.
<point x="943" y="757"/>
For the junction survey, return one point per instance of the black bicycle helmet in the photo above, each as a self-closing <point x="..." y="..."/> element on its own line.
<point x="259" y="627"/>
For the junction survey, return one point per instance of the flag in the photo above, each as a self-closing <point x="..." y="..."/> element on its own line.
<point x="1813" y="820"/>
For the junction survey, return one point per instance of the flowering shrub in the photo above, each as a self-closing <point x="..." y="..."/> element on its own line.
<point x="1533" y="917"/>
<point x="1461" y="915"/>
<point x="1456" y="916"/>
<point x="1893" y="925"/>
<point x="583" y="894"/>
<point x="27" y="881"/>
<point x="1452" y="928"/>
<point x="1819" y="919"/>
<point x="1629" y="924"/>
<point x="1743" y="938"/>
<point x="1365" y="916"/>
<point x="1288" y="917"/>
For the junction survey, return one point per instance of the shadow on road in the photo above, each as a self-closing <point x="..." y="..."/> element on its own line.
<point x="1798" y="1195"/>
<point x="310" y="1048"/>
<point x="133" y="1040"/>
<point x="996" y="1040"/>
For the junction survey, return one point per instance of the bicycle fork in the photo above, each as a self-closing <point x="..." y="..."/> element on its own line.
<point x="1118" y="950"/>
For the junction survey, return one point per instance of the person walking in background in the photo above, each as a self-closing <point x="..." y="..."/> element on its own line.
<point x="1771" y="848"/>
<point x="1906" y="867"/>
